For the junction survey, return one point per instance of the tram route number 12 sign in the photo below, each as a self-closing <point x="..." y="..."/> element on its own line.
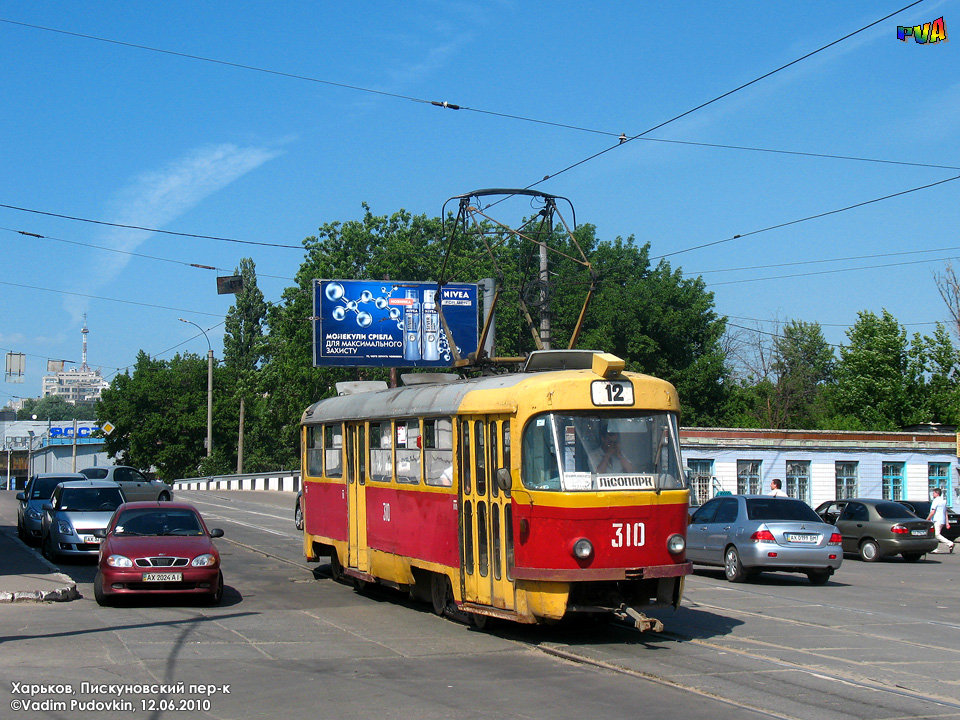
<point x="391" y="324"/>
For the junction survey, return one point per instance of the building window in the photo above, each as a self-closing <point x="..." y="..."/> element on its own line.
<point x="748" y="477"/>
<point x="798" y="479"/>
<point x="846" y="480"/>
<point x="938" y="475"/>
<point x="892" y="481"/>
<point x="701" y="472"/>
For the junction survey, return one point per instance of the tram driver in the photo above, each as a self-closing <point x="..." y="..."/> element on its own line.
<point x="612" y="459"/>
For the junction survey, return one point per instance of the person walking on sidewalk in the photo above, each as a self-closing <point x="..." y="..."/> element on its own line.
<point x="938" y="513"/>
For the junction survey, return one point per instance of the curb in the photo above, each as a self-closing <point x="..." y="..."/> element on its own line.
<point x="61" y="594"/>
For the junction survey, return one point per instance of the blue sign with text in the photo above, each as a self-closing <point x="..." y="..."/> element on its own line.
<point x="391" y="324"/>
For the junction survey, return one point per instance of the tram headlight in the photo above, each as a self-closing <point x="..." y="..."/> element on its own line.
<point x="676" y="544"/>
<point x="583" y="549"/>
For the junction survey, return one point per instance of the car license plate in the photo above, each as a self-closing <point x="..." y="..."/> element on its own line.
<point x="91" y="540"/>
<point x="918" y="532"/>
<point x="162" y="577"/>
<point x="798" y="538"/>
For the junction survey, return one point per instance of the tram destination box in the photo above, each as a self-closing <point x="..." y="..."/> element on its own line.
<point x="391" y="324"/>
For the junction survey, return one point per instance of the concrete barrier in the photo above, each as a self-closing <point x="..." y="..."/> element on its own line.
<point x="283" y="481"/>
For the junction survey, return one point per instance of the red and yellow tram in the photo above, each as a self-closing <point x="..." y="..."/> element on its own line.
<point x="524" y="496"/>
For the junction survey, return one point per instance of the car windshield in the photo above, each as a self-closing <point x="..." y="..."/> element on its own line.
<point x="893" y="511"/>
<point x="602" y="451"/>
<point x="151" y="521"/>
<point x="95" y="473"/>
<point x="780" y="509"/>
<point x="42" y="488"/>
<point x="91" y="499"/>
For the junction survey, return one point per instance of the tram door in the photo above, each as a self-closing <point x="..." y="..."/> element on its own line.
<point x="486" y="539"/>
<point x="356" y="472"/>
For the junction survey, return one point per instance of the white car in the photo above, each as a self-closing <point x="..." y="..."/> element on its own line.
<point x="134" y="483"/>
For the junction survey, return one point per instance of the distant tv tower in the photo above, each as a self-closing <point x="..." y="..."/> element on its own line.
<point x="85" y="332"/>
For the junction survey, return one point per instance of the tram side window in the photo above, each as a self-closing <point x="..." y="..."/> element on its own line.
<point x="541" y="470"/>
<point x="438" y="451"/>
<point x="480" y="457"/>
<point x="408" y="452"/>
<point x="315" y="451"/>
<point x="381" y="451"/>
<point x="333" y="449"/>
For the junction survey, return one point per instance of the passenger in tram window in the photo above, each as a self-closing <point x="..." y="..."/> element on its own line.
<point x="613" y="459"/>
<point x="446" y="477"/>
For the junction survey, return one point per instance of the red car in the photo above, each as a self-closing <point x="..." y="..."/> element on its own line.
<point x="157" y="548"/>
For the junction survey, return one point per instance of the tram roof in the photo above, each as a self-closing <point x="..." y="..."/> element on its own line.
<point x="409" y="400"/>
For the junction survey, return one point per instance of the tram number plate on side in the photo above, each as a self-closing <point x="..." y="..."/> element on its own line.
<point x="611" y="392"/>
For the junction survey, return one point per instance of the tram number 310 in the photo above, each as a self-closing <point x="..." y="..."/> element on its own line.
<point x="627" y="535"/>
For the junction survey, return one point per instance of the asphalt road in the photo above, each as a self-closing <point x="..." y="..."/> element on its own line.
<point x="879" y="641"/>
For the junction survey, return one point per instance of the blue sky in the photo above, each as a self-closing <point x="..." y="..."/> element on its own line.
<point x="111" y="132"/>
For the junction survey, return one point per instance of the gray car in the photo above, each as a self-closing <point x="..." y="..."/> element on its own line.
<point x="748" y="534"/>
<point x="134" y="483"/>
<point x="30" y="509"/>
<point x="876" y="529"/>
<point x="75" y="510"/>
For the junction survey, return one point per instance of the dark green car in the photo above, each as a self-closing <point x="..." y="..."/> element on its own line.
<point x="875" y="529"/>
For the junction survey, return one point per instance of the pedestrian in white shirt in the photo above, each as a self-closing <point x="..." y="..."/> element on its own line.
<point x="775" y="490"/>
<point x="938" y="513"/>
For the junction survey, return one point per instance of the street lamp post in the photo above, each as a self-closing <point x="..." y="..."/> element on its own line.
<point x="209" y="386"/>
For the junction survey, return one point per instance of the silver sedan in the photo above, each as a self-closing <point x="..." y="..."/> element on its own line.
<point x="748" y="534"/>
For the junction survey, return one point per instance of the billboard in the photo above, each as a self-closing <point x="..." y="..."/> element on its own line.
<point x="391" y="324"/>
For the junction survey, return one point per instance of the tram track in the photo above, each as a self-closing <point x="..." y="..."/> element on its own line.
<point x="787" y="698"/>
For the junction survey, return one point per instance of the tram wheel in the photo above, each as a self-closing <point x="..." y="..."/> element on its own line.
<point x="336" y="569"/>
<point x="439" y="593"/>
<point x="481" y="622"/>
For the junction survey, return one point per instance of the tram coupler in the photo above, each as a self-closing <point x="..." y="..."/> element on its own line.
<point x="640" y="621"/>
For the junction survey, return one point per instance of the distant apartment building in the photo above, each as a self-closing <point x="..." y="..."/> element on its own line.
<point x="78" y="385"/>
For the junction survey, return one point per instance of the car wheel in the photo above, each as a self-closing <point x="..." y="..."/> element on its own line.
<point x="298" y="516"/>
<point x="818" y="577"/>
<point x="217" y="597"/>
<point x="912" y="557"/>
<point x="732" y="567"/>
<point x="164" y="497"/>
<point x="439" y="593"/>
<point x="46" y="547"/>
<point x="98" y="593"/>
<point x="20" y="533"/>
<point x="869" y="551"/>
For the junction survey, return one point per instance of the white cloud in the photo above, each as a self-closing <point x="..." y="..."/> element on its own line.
<point x="158" y="197"/>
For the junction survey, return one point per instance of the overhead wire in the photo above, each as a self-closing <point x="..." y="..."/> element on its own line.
<point x="625" y="139"/>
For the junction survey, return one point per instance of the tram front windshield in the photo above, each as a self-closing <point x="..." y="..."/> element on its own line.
<point x="582" y="452"/>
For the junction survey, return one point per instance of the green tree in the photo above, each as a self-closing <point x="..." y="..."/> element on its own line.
<point x="803" y="365"/>
<point x="872" y="390"/>
<point x="54" y="407"/>
<point x="243" y="350"/>
<point x="160" y="415"/>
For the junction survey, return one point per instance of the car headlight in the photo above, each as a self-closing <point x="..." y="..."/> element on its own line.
<point x="64" y="528"/>
<point x="119" y="561"/>
<point x="205" y="560"/>
<point x="34" y="514"/>
<point x="676" y="544"/>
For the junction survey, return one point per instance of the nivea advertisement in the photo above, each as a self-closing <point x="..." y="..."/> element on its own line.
<point x="391" y="324"/>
